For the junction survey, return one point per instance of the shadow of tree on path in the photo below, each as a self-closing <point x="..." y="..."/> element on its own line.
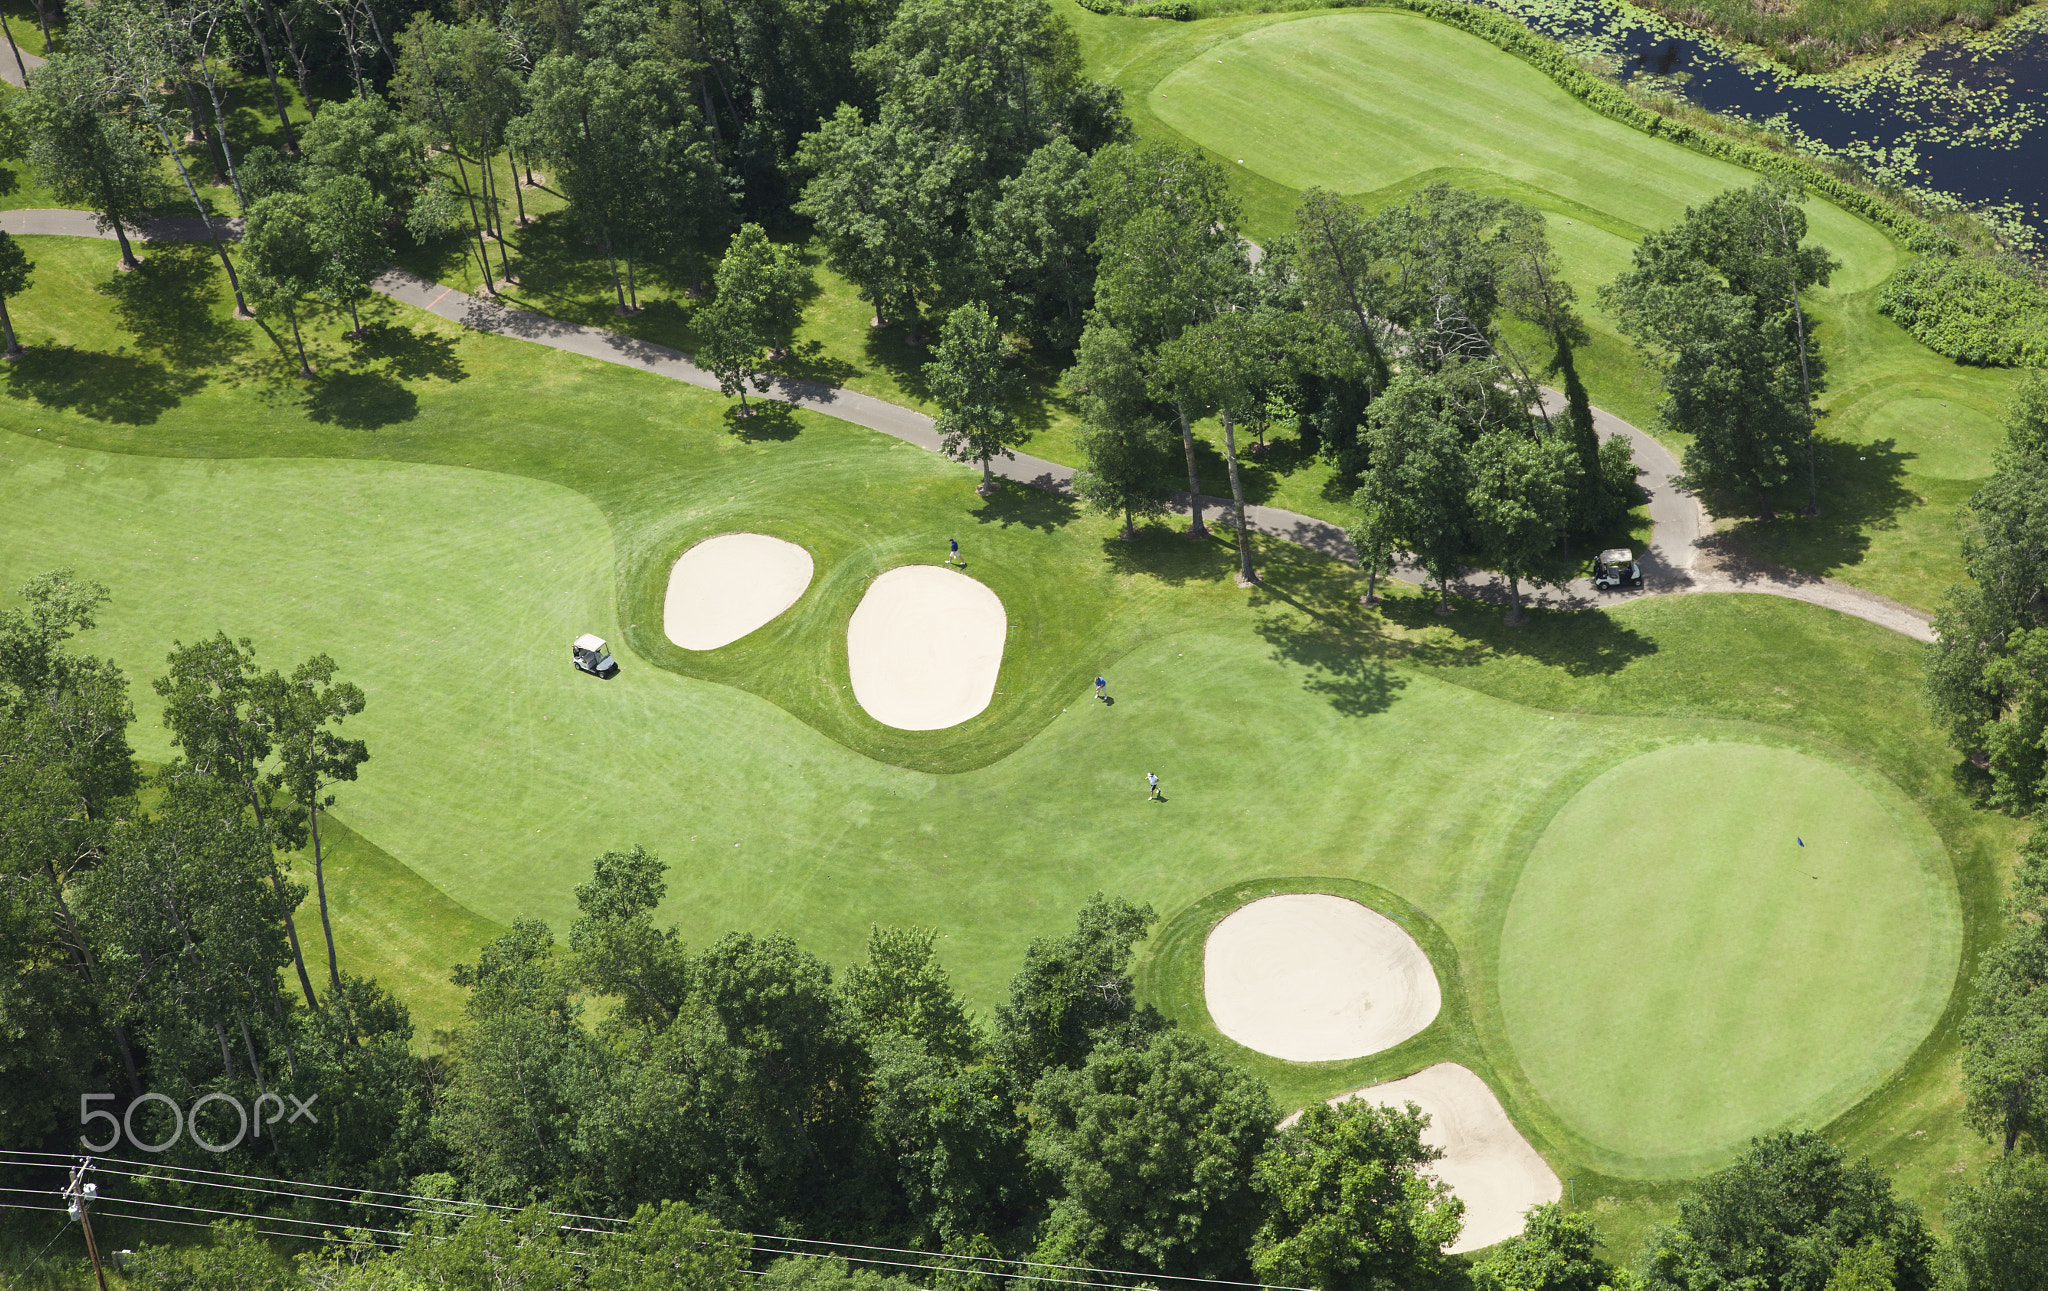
<point x="121" y="388"/>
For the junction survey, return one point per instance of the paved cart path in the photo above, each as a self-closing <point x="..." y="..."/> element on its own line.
<point x="1676" y="561"/>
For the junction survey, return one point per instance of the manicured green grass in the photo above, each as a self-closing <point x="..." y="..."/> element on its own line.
<point x="1696" y="930"/>
<point x="441" y="511"/>
<point x="1375" y="105"/>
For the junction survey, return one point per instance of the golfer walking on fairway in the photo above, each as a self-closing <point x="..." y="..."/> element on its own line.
<point x="1152" y="778"/>
<point x="1102" y="690"/>
<point x="952" y="550"/>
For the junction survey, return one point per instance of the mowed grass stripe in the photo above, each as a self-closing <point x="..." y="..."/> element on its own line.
<point x="1713" y="940"/>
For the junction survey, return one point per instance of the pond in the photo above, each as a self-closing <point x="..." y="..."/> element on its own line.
<point x="1960" y="122"/>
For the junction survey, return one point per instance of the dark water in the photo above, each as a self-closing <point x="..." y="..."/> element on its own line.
<point x="1964" y="122"/>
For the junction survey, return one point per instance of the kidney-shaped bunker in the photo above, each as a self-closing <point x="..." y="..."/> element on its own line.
<point x="725" y="587"/>
<point x="924" y="646"/>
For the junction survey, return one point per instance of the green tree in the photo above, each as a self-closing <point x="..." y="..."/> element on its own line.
<point x="1154" y="1150"/>
<point x="739" y="328"/>
<point x="1125" y="457"/>
<point x="972" y="382"/>
<point x="1216" y="365"/>
<point x="301" y="712"/>
<point x="279" y="242"/>
<point x="1520" y="502"/>
<point x="429" y="79"/>
<point x="2005" y="1038"/>
<point x="902" y="989"/>
<point x="1864" y="1267"/>
<point x="771" y="279"/>
<point x="952" y="1138"/>
<point x="671" y="1247"/>
<point x="348" y="230"/>
<point x="1983" y="675"/>
<point x="1783" y="1216"/>
<point x="1372" y="535"/>
<point x="1169" y="259"/>
<point x="882" y="196"/>
<point x="616" y="950"/>
<point x="1072" y="990"/>
<point x="1419" y="478"/>
<point x="16" y="273"/>
<point x="214" y="713"/>
<point x="1347" y="1205"/>
<point x="364" y="139"/>
<point x="1713" y="300"/>
<point x="233" y="1258"/>
<point x="85" y="151"/>
<point x="1557" y="1250"/>
<point x="1035" y="241"/>
<point x="1998" y="1227"/>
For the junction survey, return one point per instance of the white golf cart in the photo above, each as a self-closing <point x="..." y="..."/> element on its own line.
<point x="1616" y="567"/>
<point x="590" y="654"/>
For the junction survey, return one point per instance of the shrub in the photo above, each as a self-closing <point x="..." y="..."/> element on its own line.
<point x="1177" y="10"/>
<point x="1970" y="310"/>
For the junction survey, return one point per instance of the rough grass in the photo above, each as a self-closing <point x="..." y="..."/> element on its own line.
<point x="1813" y="35"/>
<point x="1376" y="104"/>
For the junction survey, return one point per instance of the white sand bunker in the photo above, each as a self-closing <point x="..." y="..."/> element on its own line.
<point x="1486" y="1160"/>
<point x="725" y="587"/>
<point x="924" y="646"/>
<point x="1313" y="978"/>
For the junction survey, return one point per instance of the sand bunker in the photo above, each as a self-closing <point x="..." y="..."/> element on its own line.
<point x="924" y="646"/>
<point x="1486" y="1160"/>
<point x="1313" y="978"/>
<point x="725" y="587"/>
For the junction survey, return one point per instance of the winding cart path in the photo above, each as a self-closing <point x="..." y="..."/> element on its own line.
<point x="1675" y="563"/>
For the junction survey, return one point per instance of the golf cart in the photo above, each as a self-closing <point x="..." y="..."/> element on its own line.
<point x="590" y="655"/>
<point x="1616" y="567"/>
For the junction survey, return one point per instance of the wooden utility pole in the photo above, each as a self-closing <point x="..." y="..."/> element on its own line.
<point x="82" y="1195"/>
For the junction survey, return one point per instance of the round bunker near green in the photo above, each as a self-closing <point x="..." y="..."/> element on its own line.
<point x="1698" y="929"/>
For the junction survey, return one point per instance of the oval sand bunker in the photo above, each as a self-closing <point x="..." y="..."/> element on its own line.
<point x="1313" y="978"/>
<point x="1486" y="1160"/>
<point x="924" y="646"/>
<point x="725" y="587"/>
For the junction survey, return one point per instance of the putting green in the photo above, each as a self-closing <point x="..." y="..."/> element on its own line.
<point x="1360" y="101"/>
<point x="1678" y="972"/>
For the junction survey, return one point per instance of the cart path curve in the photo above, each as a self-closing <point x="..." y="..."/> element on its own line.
<point x="1675" y="562"/>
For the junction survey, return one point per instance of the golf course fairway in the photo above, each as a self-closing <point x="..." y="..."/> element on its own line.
<point x="1698" y="931"/>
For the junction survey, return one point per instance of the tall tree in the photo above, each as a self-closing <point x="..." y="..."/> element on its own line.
<point x="348" y="230"/>
<point x="1418" y="480"/>
<point x="1074" y="990"/>
<point x="1713" y="301"/>
<point x="132" y="53"/>
<point x="1126" y="459"/>
<point x="1783" y="1216"/>
<point x="1154" y="1148"/>
<point x="430" y="77"/>
<point x="1984" y="672"/>
<point x="769" y="281"/>
<point x="902" y="989"/>
<point x="86" y="149"/>
<point x="1520" y="502"/>
<point x="215" y="714"/>
<point x="1217" y="365"/>
<point x="302" y="711"/>
<point x="279" y="239"/>
<point x="974" y="385"/>
<point x="16" y="273"/>
<point x="1998" y="1227"/>
<point x="1348" y="1207"/>
<point x="1170" y="259"/>
<point x="2005" y="1040"/>
<point x="882" y="196"/>
<point x="1035" y="240"/>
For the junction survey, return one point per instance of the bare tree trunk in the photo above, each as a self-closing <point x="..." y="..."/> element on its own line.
<point x="18" y="61"/>
<point x="1246" y="575"/>
<point x="320" y="885"/>
<point x="618" y="288"/>
<point x="1196" y="529"/>
<point x="305" y="368"/>
<point x="483" y="251"/>
<point x="512" y="164"/>
<point x="241" y="306"/>
<point x="1516" y="617"/>
<point x="291" y="142"/>
<point x="1806" y="388"/>
<point x="43" y="17"/>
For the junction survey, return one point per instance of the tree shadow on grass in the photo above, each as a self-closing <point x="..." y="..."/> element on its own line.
<point x="1164" y="551"/>
<point x="1311" y="618"/>
<point x="174" y="306"/>
<point x="120" y="388"/>
<point x="767" y="420"/>
<point x="1580" y="643"/>
<point x="1862" y="491"/>
<point x="1020" y="504"/>
<point x="361" y="401"/>
<point x="409" y="354"/>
